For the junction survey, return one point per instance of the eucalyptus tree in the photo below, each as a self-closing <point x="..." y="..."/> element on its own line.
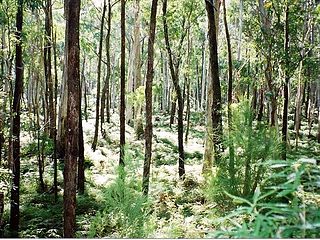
<point x="72" y="50"/>
<point x="96" y="131"/>
<point x="148" y="99"/>
<point x="122" y="83"/>
<point x="15" y="190"/>
<point x="215" y="104"/>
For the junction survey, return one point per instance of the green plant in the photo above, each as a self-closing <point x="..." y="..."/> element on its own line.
<point x="252" y="143"/>
<point x="126" y="209"/>
<point x="277" y="210"/>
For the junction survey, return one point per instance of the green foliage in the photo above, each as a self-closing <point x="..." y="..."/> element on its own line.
<point x="285" y="207"/>
<point x="46" y="144"/>
<point x="253" y="145"/>
<point x="136" y="98"/>
<point x="126" y="209"/>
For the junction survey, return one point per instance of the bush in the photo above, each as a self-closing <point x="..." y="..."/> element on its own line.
<point x="126" y="209"/>
<point x="283" y="210"/>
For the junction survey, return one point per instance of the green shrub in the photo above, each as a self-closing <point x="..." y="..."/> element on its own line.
<point x="126" y="209"/>
<point x="241" y="170"/>
<point x="283" y="210"/>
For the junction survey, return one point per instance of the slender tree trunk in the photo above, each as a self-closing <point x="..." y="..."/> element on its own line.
<point x="230" y="82"/>
<point x="105" y="98"/>
<point x="216" y="91"/>
<point x="122" y="83"/>
<point x="15" y="190"/>
<point x="148" y="98"/>
<point x="286" y="87"/>
<point x="81" y="176"/>
<point x="240" y="29"/>
<point x="173" y="107"/>
<point x="260" y="113"/>
<point x="72" y="13"/>
<point x="96" y="129"/>
<point x="203" y="77"/>
<point x="55" y="164"/>
<point x="297" y="118"/>
<point x="47" y="66"/>
<point x="188" y="110"/>
<point x="175" y="79"/>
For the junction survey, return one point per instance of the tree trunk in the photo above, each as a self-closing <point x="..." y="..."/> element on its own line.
<point x="1" y="213"/>
<point x="175" y="79"/>
<point x="72" y="12"/>
<point x="286" y="87"/>
<point x="105" y="98"/>
<point x="96" y="126"/>
<point x="15" y="190"/>
<point x="81" y="176"/>
<point x="55" y="164"/>
<point x="148" y="98"/>
<point x="47" y="66"/>
<point x="230" y="82"/>
<point x="216" y="114"/>
<point x="122" y="83"/>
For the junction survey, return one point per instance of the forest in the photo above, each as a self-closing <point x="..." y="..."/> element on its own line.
<point x="160" y="118"/>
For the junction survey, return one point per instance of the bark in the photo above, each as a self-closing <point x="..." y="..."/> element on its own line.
<point x="134" y="78"/>
<point x="297" y="118"/>
<point x="55" y="164"/>
<point x="286" y="87"/>
<point x="175" y="78"/>
<point x="266" y="30"/>
<point x="230" y="82"/>
<point x="1" y="213"/>
<point x="122" y="84"/>
<point x="260" y="113"/>
<point x="96" y="126"/>
<point x="72" y="12"/>
<point x="105" y="98"/>
<point x="81" y="168"/>
<point x="240" y="29"/>
<point x="15" y="190"/>
<point x="216" y="114"/>
<point x="47" y="66"/>
<point x="203" y="77"/>
<point x="148" y="98"/>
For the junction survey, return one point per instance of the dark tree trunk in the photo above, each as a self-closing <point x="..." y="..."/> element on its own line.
<point x="55" y="164"/>
<point x="105" y="98"/>
<point x="47" y="66"/>
<point x="122" y="83"/>
<point x="175" y="79"/>
<point x="15" y="190"/>
<point x="96" y="129"/>
<point x="286" y="87"/>
<point x="260" y="114"/>
<point x="148" y="97"/>
<point x="173" y="109"/>
<point x="230" y="82"/>
<point x="216" y="101"/>
<point x="72" y="13"/>
<point x="81" y="176"/>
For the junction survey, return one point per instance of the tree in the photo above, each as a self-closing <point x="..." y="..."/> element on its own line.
<point x="216" y="89"/>
<point x="148" y="98"/>
<point x="47" y="67"/>
<point x="72" y="50"/>
<point x="105" y="98"/>
<point x="15" y="190"/>
<point x="174" y="71"/>
<point x="122" y="83"/>
<point x="209" y="145"/>
<point x="96" y="129"/>
<point x="230" y="82"/>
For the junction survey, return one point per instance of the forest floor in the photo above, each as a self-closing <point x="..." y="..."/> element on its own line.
<point x="178" y="208"/>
